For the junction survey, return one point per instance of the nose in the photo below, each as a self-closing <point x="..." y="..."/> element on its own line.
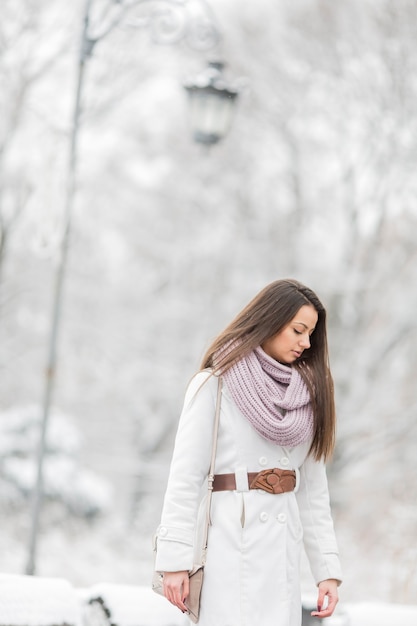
<point x="305" y="341"/>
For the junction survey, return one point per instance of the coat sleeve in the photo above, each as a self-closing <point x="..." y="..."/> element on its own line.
<point x="188" y="473"/>
<point x="319" y="537"/>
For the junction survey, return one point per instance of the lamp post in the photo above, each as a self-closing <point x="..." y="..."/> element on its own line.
<point x="169" y="21"/>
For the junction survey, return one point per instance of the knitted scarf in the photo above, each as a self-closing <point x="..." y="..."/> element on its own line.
<point x="273" y="397"/>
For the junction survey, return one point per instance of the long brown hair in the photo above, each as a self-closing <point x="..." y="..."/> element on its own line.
<point x="266" y="315"/>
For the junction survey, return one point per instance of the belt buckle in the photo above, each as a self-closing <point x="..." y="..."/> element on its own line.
<point x="273" y="480"/>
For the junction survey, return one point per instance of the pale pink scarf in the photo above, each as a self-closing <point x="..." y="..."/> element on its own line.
<point x="273" y="397"/>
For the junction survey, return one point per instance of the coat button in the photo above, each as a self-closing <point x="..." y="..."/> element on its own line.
<point x="263" y="461"/>
<point x="263" y="516"/>
<point x="285" y="461"/>
<point x="163" y="531"/>
<point x="282" y="518"/>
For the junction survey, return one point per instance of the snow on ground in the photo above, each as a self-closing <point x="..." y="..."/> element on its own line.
<point x="380" y="614"/>
<point x="36" y="601"/>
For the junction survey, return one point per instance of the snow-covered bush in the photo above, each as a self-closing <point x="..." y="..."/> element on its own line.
<point x="127" y="605"/>
<point x="65" y="480"/>
<point x="32" y="601"/>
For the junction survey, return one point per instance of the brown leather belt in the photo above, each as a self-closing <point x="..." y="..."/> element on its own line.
<point x="273" y="480"/>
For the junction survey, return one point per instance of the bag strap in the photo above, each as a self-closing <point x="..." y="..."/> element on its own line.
<point x="215" y="433"/>
<point x="210" y="478"/>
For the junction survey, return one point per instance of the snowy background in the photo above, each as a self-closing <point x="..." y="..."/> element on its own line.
<point x="315" y="181"/>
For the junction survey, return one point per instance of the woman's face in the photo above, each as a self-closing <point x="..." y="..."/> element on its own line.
<point x="288" y="345"/>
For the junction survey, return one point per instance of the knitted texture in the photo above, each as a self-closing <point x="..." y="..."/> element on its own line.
<point x="273" y="397"/>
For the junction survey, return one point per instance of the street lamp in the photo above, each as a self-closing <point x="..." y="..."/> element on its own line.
<point x="212" y="104"/>
<point x="169" y="21"/>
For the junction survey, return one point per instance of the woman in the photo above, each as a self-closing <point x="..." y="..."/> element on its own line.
<point x="277" y="411"/>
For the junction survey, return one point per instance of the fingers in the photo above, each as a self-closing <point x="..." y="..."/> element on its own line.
<point x="327" y="599"/>
<point x="186" y="589"/>
<point x="176" y="588"/>
<point x="325" y="612"/>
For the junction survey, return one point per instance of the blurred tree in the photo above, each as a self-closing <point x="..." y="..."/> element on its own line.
<point x="32" y="42"/>
<point x="316" y="180"/>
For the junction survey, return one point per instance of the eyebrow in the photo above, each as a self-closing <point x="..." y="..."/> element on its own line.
<point x="305" y="326"/>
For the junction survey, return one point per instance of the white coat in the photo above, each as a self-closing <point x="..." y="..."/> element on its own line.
<point x="255" y="538"/>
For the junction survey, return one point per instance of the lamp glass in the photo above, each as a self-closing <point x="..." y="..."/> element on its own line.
<point x="210" y="115"/>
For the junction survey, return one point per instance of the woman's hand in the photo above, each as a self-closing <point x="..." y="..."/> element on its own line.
<point x="327" y="588"/>
<point x="177" y="588"/>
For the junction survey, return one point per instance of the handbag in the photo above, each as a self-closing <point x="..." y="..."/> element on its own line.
<point x="196" y="575"/>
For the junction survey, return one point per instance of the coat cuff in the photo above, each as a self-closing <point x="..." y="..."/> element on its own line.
<point x="329" y="567"/>
<point x="174" y="550"/>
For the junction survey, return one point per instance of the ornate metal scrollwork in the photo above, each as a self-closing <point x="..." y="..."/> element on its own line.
<point x="171" y="21"/>
<point x="168" y="21"/>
